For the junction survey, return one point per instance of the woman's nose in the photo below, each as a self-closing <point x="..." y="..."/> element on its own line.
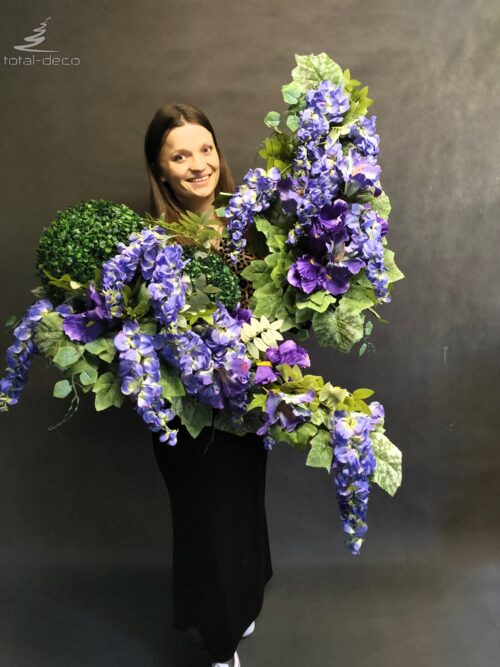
<point x="198" y="163"/>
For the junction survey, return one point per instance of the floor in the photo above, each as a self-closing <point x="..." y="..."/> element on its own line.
<point x="422" y="614"/>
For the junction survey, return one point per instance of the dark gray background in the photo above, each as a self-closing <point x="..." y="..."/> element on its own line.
<point x="84" y="514"/>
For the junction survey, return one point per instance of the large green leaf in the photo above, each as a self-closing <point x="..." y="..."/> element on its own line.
<point x="67" y="355"/>
<point x="49" y="335"/>
<point x="321" y="453"/>
<point x="103" y="348"/>
<point x="393" y="271"/>
<point x="340" y="328"/>
<point x="358" y="298"/>
<point x="170" y="381"/>
<point x="107" y="392"/>
<point x="257" y="272"/>
<point x="313" y="69"/>
<point x="275" y="236"/>
<point x="193" y="414"/>
<point x="388" y="472"/>
<point x="298" y="438"/>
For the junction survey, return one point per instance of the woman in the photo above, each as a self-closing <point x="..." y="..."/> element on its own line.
<point x="216" y="482"/>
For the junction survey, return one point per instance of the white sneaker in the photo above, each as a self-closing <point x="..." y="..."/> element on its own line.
<point x="249" y="630"/>
<point x="236" y="662"/>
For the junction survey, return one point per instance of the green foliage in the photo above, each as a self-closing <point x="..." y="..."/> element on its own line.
<point x="193" y="414"/>
<point x="107" y="392"/>
<point x="62" y="389"/>
<point x="321" y="453"/>
<point x="278" y="151"/>
<point x="80" y="239"/>
<point x="339" y="328"/>
<point x="197" y="227"/>
<point x="313" y="69"/>
<point x="388" y="472"/>
<point x="299" y="439"/>
<point x="170" y="381"/>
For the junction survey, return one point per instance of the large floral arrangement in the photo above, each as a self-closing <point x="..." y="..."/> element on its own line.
<point x="321" y="208"/>
<point x="163" y="324"/>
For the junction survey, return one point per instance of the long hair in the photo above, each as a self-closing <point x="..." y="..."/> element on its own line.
<point x="162" y="197"/>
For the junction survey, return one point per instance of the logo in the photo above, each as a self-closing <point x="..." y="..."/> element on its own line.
<point x="30" y="46"/>
<point x="36" y="39"/>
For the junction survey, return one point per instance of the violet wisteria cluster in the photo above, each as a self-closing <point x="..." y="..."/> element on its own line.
<point x="149" y="253"/>
<point x="352" y="466"/>
<point x="139" y="370"/>
<point x="335" y="237"/>
<point x="251" y="197"/>
<point x="212" y="361"/>
<point x="20" y="354"/>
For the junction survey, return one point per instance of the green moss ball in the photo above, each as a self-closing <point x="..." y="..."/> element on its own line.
<point x="217" y="273"/>
<point x="82" y="238"/>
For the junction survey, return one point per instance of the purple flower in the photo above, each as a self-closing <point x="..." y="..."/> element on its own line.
<point x="20" y="354"/>
<point x="306" y="273"/>
<point x="264" y="373"/>
<point x="289" y="353"/>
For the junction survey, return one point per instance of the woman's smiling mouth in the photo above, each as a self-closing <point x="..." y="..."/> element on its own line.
<point x="199" y="179"/>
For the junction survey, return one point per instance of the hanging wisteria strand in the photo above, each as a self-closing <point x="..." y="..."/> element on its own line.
<point x="139" y="371"/>
<point x="353" y="464"/>
<point x="20" y="354"/>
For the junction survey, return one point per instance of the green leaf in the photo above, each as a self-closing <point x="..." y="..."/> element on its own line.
<point x="275" y="237"/>
<point x="317" y="301"/>
<point x="257" y="272"/>
<point x="380" y="204"/>
<point x="272" y="119"/>
<point x="68" y="355"/>
<point x="293" y="122"/>
<point x="339" y="328"/>
<point x="321" y="453"/>
<point x="170" y="381"/>
<point x="193" y="414"/>
<point x="358" y="299"/>
<point x="258" y="401"/>
<point x="85" y="365"/>
<point x="388" y="472"/>
<point x="313" y="69"/>
<point x="393" y="271"/>
<point x="298" y="439"/>
<point x="62" y="389"/>
<point x="49" y="334"/>
<point x="103" y="348"/>
<point x="88" y="377"/>
<point x="107" y="391"/>
<point x="363" y="393"/>
<point x="291" y="92"/>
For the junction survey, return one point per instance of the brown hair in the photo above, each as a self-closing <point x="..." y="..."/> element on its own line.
<point x="162" y="197"/>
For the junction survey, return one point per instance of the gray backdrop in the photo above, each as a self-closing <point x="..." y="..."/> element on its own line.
<point x="84" y="515"/>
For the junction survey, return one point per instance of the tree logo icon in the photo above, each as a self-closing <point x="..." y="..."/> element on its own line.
<point x="36" y="39"/>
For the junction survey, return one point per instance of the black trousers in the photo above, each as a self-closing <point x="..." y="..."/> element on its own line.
<point x="221" y="553"/>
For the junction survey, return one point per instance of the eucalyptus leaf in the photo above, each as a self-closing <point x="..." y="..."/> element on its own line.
<point x="62" y="389"/>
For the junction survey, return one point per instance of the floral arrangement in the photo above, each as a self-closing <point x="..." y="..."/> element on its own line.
<point x="163" y="324"/>
<point x="321" y="209"/>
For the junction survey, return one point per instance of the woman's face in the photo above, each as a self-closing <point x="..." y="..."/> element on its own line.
<point x="189" y="161"/>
